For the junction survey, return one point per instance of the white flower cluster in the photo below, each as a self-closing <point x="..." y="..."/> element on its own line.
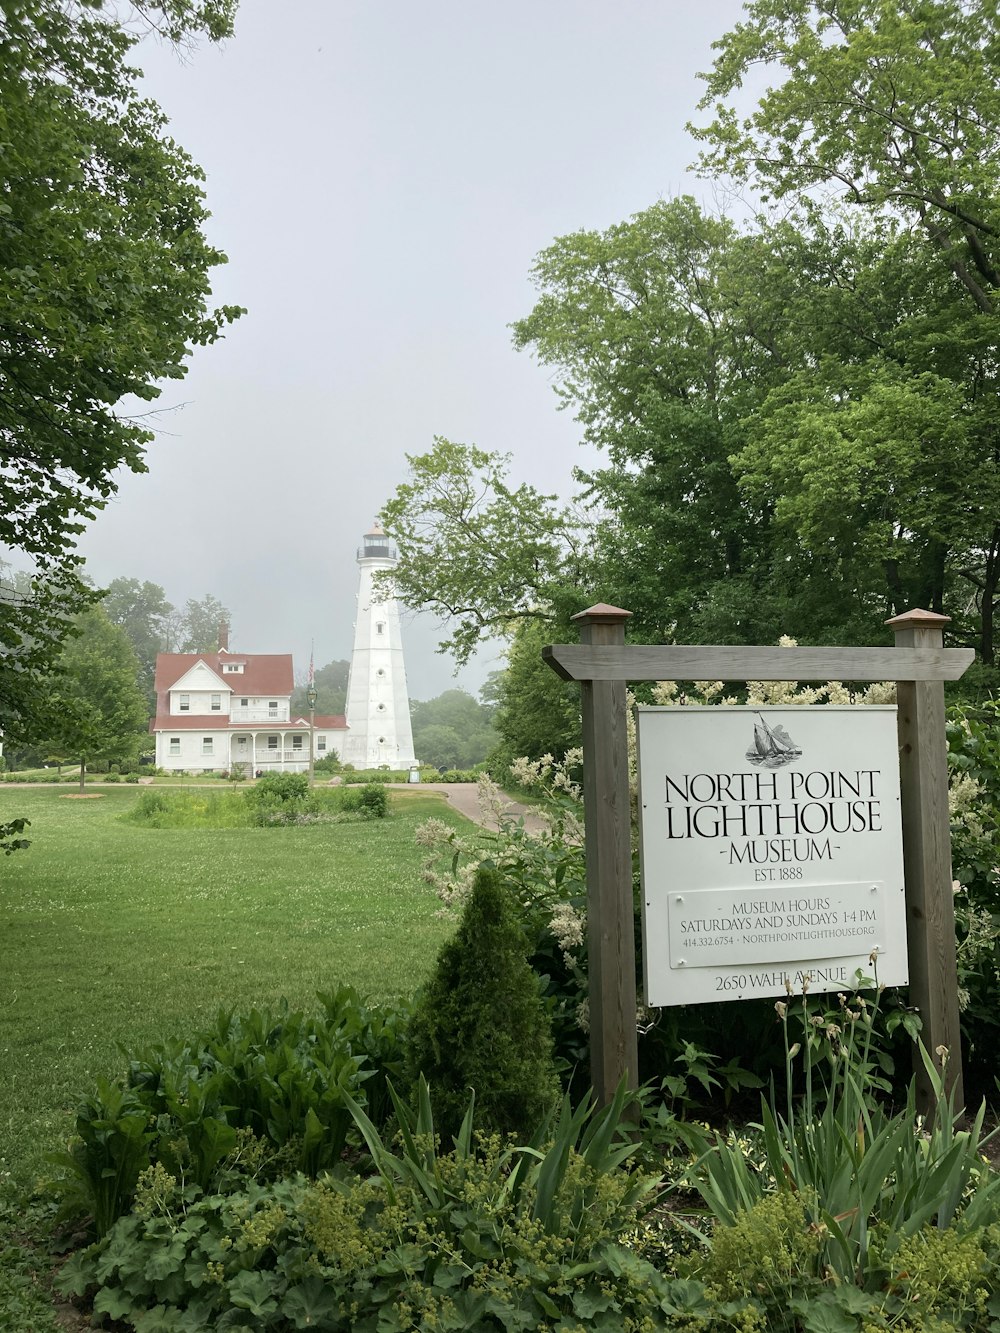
<point x="549" y="773"/>
<point x="449" y="877"/>
<point x="568" y="928"/>
<point x="965" y="797"/>
<point x="774" y="693"/>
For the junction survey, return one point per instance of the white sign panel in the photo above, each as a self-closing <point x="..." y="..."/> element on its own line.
<point x="771" y="850"/>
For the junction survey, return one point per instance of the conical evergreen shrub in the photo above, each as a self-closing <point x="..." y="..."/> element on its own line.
<point x="480" y="1022"/>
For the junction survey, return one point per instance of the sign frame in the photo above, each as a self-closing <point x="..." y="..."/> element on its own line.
<point x="919" y="664"/>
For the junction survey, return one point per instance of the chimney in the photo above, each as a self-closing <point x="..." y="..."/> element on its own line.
<point x="223" y="637"/>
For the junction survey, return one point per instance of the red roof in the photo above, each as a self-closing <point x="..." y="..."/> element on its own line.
<point x="263" y="673"/>
<point x="336" y="722"/>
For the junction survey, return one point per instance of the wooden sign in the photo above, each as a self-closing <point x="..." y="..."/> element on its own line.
<point x="918" y="663"/>
<point x="771" y="850"/>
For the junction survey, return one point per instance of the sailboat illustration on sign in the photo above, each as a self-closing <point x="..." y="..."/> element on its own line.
<point x="772" y="746"/>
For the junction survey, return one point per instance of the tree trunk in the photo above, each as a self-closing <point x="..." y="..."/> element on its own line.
<point x="991" y="580"/>
<point x="83" y="770"/>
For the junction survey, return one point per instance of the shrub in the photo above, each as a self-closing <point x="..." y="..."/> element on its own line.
<point x="254" y="1095"/>
<point x="480" y="1022"/>
<point x="285" y="787"/>
<point x="484" y="1237"/>
<point x="863" y="1182"/>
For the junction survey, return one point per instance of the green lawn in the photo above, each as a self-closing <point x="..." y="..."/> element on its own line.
<point x="111" y="933"/>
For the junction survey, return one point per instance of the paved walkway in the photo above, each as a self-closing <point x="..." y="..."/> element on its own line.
<point x="464" y="796"/>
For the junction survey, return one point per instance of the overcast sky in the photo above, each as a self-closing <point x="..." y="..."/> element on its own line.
<point x="381" y="175"/>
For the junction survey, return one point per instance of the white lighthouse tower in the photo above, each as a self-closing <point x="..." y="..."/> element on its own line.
<point x="378" y="708"/>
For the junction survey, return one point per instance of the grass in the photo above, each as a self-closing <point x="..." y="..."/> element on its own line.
<point x="111" y="933"/>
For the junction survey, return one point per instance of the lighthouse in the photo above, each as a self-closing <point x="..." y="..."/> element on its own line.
<point x="378" y="707"/>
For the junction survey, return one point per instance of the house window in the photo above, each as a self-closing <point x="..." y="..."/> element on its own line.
<point x="296" y="742"/>
<point x="244" y="703"/>
<point x="185" y="703"/>
<point x="206" y="744"/>
<point x="216" y="703"/>
<point x="272" y="742"/>
<point x="241" y="740"/>
<point x="175" y="744"/>
<point x="272" y="708"/>
<point x="233" y="666"/>
<point x="321" y="743"/>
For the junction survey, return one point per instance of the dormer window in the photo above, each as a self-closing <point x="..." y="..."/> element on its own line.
<point x="216" y="703"/>
<point x="184" y="703"/>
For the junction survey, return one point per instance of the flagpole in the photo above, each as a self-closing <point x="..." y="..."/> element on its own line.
<point x="311" y="697"/>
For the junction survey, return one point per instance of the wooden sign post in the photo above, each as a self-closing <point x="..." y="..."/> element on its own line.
<point x="919" y="664"/>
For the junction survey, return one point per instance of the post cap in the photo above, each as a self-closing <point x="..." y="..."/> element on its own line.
<point x="918" y="619"/>
<point x="603" y="614"/>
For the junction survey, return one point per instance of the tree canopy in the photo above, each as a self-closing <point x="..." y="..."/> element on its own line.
<point x="797" y="414"/>
<point x="331" y="691"/>
<point x="453" y="730"/>
<point x="476" y="550"/>
<point x="105" y="287"/>
<point x="99" y="709"/>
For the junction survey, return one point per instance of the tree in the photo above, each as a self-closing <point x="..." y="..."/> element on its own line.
<point x="99" y="710"/>
<point x="331" y="691"/>
<point x="200" y="625"/>
<point x="481" y="1023"/>
<point x="895" y="106"/>
<point x="106" y="267"/>
<point x="105" y="286"/>
<point x="798" y="418"/>
<point x="893" y="103"/>
<point x="537" y="711"/>
<point x="35" y="612"/>
<point x="143" y="612"/>
<point x="473" y="549"/>
<point x="451" y="731"/>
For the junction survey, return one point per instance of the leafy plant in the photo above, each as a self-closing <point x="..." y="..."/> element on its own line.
<point x="102" y="1162"/>
<point x="487" y="1236"/>
<point x="254" y="1095"/>
<point x="10" y="836"/>
<point x="856" y="1171"/>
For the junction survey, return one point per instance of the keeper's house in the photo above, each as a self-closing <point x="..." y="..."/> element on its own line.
<point x="214" y="710"/>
